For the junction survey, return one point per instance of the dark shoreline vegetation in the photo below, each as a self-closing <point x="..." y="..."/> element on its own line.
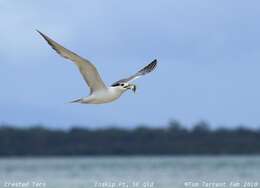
<point x="174" y="139"/>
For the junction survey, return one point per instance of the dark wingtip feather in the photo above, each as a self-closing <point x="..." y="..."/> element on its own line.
<point x="153" y="64"/>
<point x="45" y="37"/>
<point x="50" y="42"/>
<point x="37" y="31"/>
<point x="150" y="67"/>
<point x="154" y="61"/>
<point x="40" y="33"/>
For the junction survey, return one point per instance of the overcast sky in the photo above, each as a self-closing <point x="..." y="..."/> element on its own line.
<point x="208" y="53"/>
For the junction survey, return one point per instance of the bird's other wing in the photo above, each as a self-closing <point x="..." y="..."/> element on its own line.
<point x="87" y="69"/>
<point x="147" y="69"/>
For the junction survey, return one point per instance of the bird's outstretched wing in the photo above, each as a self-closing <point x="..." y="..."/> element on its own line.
<point x="87" y="69"/>
<point x="147" y="69"/>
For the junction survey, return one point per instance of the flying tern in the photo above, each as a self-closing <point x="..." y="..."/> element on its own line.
<point x="99" y="92"/>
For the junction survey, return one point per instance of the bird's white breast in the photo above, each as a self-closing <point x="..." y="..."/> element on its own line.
<point x="103" y="96"/>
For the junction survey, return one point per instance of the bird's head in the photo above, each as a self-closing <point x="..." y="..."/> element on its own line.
<point x="123" y="86"/>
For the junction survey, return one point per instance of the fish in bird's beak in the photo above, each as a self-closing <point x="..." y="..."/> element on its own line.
<point x="133" y="87"/>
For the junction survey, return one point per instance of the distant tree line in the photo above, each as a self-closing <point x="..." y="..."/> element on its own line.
<point x="175" y="139"/>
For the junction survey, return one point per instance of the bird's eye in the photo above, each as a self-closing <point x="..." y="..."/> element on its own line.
<point x="122" y="84"/>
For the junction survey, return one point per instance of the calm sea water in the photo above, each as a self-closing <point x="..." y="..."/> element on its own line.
<point x="129" y="172"/>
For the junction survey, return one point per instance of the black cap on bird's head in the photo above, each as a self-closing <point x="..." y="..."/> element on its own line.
<point x="124" y="85"/>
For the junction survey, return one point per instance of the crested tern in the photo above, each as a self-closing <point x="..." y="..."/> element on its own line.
<point x="99" y="92"/>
